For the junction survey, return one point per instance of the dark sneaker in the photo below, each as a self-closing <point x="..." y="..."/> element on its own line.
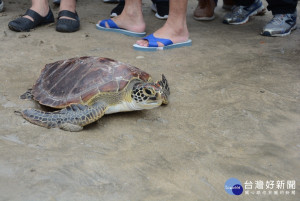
<point x="228" y="4"/>
<point x="280" y="25"/>
<point x="161" y="10"/>
<point x="241" y="14"/>
<point x="118" y="9"/>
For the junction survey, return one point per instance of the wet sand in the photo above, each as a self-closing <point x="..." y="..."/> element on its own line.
<point x="234" y="111"/>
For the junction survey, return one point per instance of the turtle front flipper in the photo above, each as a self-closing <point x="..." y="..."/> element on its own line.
<point x="71" y="118"/>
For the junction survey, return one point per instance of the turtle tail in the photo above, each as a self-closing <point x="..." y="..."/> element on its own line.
<point x="71" y="118"/>
<point x="27" y="95"/>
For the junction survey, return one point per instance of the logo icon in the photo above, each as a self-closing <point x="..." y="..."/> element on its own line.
<point x="233" y="186"/>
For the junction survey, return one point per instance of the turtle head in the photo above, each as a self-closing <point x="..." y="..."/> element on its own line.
<point x="150" y="95"/>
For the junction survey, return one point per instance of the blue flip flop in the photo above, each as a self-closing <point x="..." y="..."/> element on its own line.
<point x="153" y="46"/>
<point x="115" y="28"/>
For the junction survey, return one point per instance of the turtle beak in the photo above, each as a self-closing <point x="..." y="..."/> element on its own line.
<point x="163" y="85"/>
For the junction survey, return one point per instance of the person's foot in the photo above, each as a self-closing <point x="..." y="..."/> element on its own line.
<point x="205" y="10"/>
<point x="41" y="8"/>
<point x="68" y="20"/>
<point x="130" y="20"/>
<point x="227" y="4"/>
<point x="161" y="9"/>
<point x="280" y="25"/>
<point x="39" y="14"/>
<point x="25" y="24"/>
<point x="69" y="6"/>
<point x="241" y="14"/>
<point x="168" y="32"/>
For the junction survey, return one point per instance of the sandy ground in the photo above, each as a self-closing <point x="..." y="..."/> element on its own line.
<point x="234" y="111"/>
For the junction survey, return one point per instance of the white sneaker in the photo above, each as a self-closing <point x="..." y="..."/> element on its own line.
<point x="281" y="25"/>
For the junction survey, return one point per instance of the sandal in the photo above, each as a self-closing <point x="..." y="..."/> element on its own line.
<point x="153" y="44"/>
<point x="112" y="26"/>
<point x="25" y="24"/>
<point x="67" y="25"/>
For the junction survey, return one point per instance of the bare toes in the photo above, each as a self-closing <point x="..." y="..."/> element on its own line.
<point x="142" y="43"/>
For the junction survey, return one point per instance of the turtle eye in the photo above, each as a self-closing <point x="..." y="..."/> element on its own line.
<point x="148" y="91"/>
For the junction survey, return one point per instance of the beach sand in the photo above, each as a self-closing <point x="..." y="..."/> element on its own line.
<point x="234" y="111"/>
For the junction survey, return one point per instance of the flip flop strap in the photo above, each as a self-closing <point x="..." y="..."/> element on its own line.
<point x="152" y="40"/>
<point x="110" y="23"/>
<point x="67" y="13"/>
<point x="35" y="16"/>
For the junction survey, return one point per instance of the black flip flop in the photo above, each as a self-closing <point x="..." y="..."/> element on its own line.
<point x="67" y="25"/>
<point x="25" y="24"/>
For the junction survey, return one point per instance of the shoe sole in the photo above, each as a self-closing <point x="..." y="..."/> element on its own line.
<point x="161" y="17"/>
<point x="153" y="49"/>
<point x="255" y="12"/>
<point x="28" y="30"/>
<point x="17" y="30"/>
<point x="204" y="18"/>
<point x="113" y="15"/>
<point x="122" y="31"/>
<point x="66" y="30"/>
<point x="279" y="35"/>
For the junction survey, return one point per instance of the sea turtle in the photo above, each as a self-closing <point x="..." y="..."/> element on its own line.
<point x="86" y="88"/>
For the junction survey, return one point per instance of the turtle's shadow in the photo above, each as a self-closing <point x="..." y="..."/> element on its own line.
<point x="106" y="119"/>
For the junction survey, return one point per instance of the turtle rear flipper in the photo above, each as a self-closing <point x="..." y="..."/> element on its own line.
<point x="71" y="118"/>
<point x="27" y="95"/>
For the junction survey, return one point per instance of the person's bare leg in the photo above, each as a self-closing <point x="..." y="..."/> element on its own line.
<point x="175" y="27"/>
<point x="131" y="17"/>
<point x="69" y="5"/>
<point x="39" y="6"/>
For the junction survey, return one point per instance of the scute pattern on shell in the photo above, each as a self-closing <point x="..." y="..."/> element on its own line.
<point x="77" y="80"/>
